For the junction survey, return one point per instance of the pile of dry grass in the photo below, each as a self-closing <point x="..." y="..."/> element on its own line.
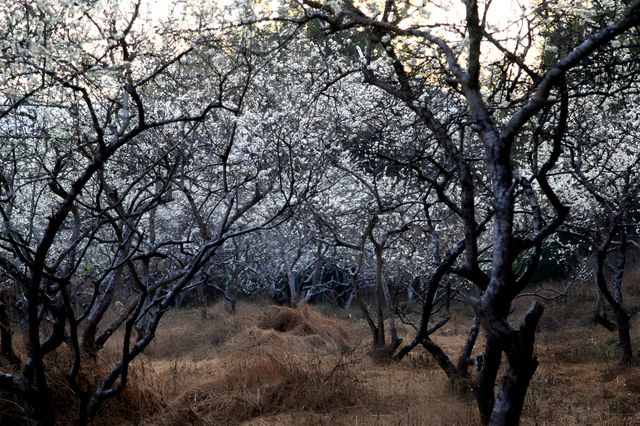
<point x="188" y="334"/>
<point x="300" y="330"/>
<point x="251" y="387"/>
<point x="304" y="321"/>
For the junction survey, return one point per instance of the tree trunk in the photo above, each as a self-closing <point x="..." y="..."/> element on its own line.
<point x="38" y="409"/>
<point x="427" y="305"/>
<point x="522" y="366"/>
<point x="623" y="317"/>
<point x="411" y="293"/>
<point x="465" y="355"/>
<point x="349" y="301"/>
<point x="600" y="313"/>
<point x="83" y="412"/>
<point x="231" y="295"/>
<point x="363" y="308"/>
<point x="316" y="278"/>
<point x="624" y="336"/>
<point x="441" y="358"/>
<point x="393" y="328"/>
<point x="98" y="311"/>
<point x="484" y="383"/>
<point x="292" y="280"/>
<point x="379" y="341"/>
<point x="273" y="290"/>
<point x="6" y="344"/>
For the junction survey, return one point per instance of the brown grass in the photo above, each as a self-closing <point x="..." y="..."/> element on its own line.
<point x="305" y="321"/>
<point x="253" y="387"/>
<point x="282" y="366"/>
<point x="187" y="334"/>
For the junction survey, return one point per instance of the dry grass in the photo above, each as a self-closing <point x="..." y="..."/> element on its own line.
<point x="281" y="366"/>
<point x="253" y="387"/>
<point x="271" y="371"/>
<point x="188" y="334"/>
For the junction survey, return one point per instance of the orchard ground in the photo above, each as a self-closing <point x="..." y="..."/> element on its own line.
<point x="267" y="365"/>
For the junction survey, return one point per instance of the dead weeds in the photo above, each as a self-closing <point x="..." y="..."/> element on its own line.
<point x="282" y="366"/>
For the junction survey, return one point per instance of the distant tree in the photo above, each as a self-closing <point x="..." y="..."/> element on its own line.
<point x="605" y="195"/>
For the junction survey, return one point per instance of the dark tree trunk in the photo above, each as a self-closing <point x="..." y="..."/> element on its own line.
<point x="365" y="311"/>
<point x="393" y="328"/>
<point x="83" y="414"/>
<point x="522" y="366"/>
<point x="38" y="409"/>
<point x="442" y="359"/>
<point x="600" y="313"/>
<point x="624" y="335"/>
<point x="484" y="383"/>
<point x="427" y="305"/>
<point x="379" y="340"/>
<point x="622" y="315"/>
<point x="379" y="301"/>
<point x="465" y="355"/>
<point x="231" y="295"/>
<point x="6" y="335"/>
<point x="97" y="313"/>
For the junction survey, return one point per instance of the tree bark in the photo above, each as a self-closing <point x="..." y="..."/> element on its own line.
<point x="624" y="335"/>
<point x="379" y="301"/>
<point x="231" y="295"/>
<point x="6" y="335"/>
<point x="465" y="355"/>
<point x="38" y="409"/>
<point x="522" y="366"/>
<point x="393" y="327"/>
<point x="484" y="383"/>
<point x="622" y="316"/>
<point x="98" y="311"/>
<point x="427" y="306"/>
<point x="292" y="281"/>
